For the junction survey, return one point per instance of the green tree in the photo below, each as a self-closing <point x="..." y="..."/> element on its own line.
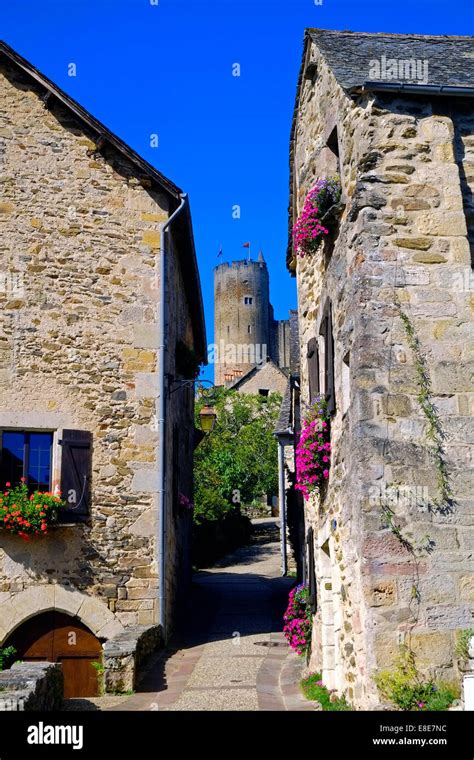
<point x="237" y="462"/>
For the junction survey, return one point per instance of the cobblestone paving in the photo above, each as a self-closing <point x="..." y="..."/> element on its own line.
<point x="231" y="653"/>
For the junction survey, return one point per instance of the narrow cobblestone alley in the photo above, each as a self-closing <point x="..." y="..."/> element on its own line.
<point x="230" y="653"/>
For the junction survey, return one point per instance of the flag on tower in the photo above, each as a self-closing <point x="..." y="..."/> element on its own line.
<point x="220" y="251"/>
<point x="246" y="245"/>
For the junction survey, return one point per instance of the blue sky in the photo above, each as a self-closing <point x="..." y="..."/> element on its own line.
<point x="166" y="69"/>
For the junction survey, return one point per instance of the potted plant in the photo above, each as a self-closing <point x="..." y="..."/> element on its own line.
<point x="312" y="224"/>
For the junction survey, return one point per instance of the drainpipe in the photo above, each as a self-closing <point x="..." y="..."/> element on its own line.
<point x="160" y="411"/>
<point x="281" y="499"/>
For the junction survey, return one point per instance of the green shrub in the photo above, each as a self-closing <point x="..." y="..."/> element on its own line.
<point x="237" y="463"/>
<point x="314" y="689"/>
<point x="404" y="687"/>
<point x="7" y="657"/>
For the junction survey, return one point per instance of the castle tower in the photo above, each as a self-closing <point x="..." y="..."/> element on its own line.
<point x="245" y="332"/>
<point x="241" y="318"/>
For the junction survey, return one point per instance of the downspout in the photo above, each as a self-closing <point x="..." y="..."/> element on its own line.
<point x="282" y="442"/>
<point x="281" y="499"/>
<point x="160" y="410"/>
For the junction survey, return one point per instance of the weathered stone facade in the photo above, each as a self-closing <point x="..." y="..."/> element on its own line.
<point x="81" y="222"/>
<point x="404" y="236"/>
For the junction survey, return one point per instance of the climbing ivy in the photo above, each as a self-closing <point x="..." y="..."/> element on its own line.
<point x="443" y="502"/>
<point x="434" y="431"/>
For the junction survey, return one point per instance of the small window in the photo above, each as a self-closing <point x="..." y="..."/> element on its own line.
<point x="333" y="142"/>
<point x="248" y="300"/>
<point x="249" y="330"/>
<point x="264" y="392"/>
<point x="26" y="455"/>
<point x="333" y="145"/>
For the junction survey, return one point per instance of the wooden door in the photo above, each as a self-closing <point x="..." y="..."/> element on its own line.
<point x="80" y="677"/>
<point x="56" y="637"/>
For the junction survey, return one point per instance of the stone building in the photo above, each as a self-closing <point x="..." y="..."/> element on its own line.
<point x="262" y="380"/>
<point x="101" y="323"/>
<point x="386" y="322"/>
<point x="246" y="333"/>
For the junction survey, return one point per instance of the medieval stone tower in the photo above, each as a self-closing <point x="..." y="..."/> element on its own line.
<point x="245" y="332"/>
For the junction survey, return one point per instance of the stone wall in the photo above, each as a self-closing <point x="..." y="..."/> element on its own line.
<point x="124" y="654"/>
<point x="78" y="349"/>
<point x="30" y="686"/>
<point x="402" y="236"/>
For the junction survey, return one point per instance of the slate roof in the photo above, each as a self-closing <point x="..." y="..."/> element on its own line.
<point x="183" y="229"/>
<point x="348" y="54"/>
<point x="285" y="419"/>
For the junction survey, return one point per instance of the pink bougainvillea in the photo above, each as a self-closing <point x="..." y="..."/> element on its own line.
<point x="313" y="452"/>
<point x="308" y="230"/>
<point x="298" y="620"/>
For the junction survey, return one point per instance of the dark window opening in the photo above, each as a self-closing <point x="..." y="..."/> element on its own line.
<point x="263" y="392"/>
<point x="27" y="455"/>
<point x="248" y="300"/>
<point x="333" y="142"/>
<point x="333" y="145"/>
<point x="249" y="329"/>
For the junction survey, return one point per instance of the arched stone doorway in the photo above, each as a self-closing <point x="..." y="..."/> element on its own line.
<point x="58" y="637"/>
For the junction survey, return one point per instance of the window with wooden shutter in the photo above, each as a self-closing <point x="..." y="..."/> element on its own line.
<point x="327" y="332"/>
<point x="313" y="368"/>
<point x="311" y="572"/>
<point x="76" y="465"/>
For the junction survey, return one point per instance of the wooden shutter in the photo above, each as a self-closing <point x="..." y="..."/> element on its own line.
<point x="313" y="368"/>
<point x="311" y="571"/>
<point x="327" y="332"/>
<point x="76" y="465"/>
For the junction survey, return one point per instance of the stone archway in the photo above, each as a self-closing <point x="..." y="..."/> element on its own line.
<point x="59" y="637"/>
<point x="89" y="610"/>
